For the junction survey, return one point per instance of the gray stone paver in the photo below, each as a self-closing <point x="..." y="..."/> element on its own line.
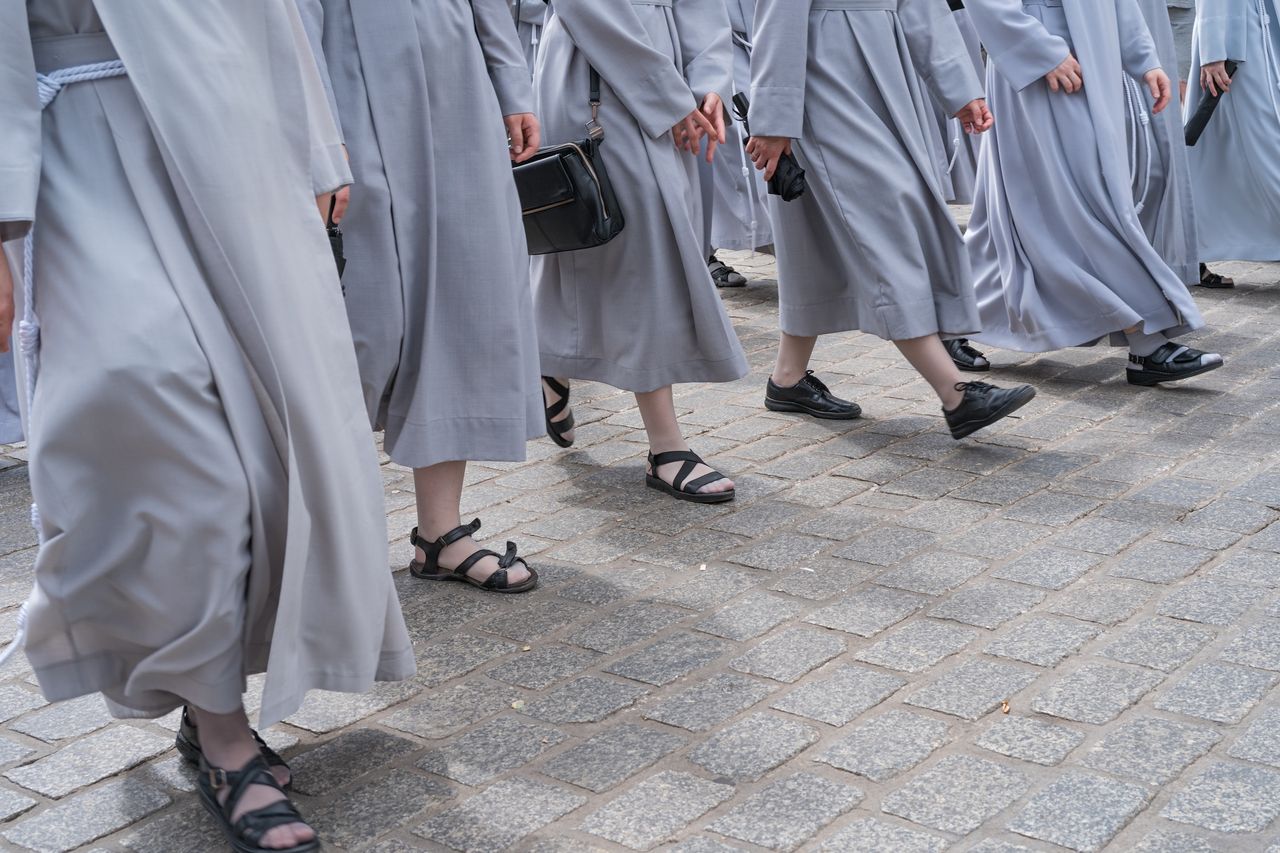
<point x="820" y="665"/>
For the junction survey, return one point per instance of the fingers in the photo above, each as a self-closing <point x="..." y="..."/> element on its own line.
<point x="341" y="201"/>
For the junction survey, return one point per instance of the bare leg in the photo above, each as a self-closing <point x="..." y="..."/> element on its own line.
<point x="794" y="353"/>
<point x="932" y="361"/>
<point x="439" y="493"/>
<point x="228" y="743"/>
<point x="658" y="409"/>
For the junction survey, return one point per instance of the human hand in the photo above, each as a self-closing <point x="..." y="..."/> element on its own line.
<point x="975" y="118"/>
<point x="6" y="302"/>
<point x="1161" y="89"/>
<point x="524" y="135"/>
<point x="766" y="151"/>
<point x="688" y="132"/>
<point x="713" y="109"/>
<point x="1214" y="78"/>
<point x="1068" y="76"/>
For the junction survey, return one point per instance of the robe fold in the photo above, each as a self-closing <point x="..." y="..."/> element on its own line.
<point x="872" y="245"/>
<point x="640" y="312"/>
<point x="734" y="212"/>
<point x="1060" y="255"/>
<point x="437" y="274"/>
<point x="210" y="499"/>
<point x="1235" y="167"/>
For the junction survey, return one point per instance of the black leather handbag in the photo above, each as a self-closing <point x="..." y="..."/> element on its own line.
<point x="566" y="197"/>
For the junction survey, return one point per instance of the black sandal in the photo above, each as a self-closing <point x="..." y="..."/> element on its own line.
<point x="1213" y="280"/>
<point x="246" y="833"/>
<point x="430" y="570"/>
<point x="188" y="743"/>
<point x="557" y="429"/>
<point x="678" y="488"/>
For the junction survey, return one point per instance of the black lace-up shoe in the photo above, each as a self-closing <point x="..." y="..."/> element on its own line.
<point x="983" y="405"/>
<point x="810" y="396"/>
<point x="966" y="357"/>
<point x="1171" y="362"/>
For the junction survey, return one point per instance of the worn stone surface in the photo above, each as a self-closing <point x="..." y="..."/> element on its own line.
<point x="789" y="812"/>
<point x="1080" y="811"/>
<point x="875" y="584"/>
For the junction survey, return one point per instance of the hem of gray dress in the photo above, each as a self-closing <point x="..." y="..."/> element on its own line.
<point x="415" y="445"/>
<point x="842" y="315"/>
<point x="643" y="381"/>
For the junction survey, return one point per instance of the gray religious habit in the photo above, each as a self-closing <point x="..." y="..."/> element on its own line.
<point x="1235" y="167"/>
<point x="1162" y="179"/>
<point x="734" y="212"/>
<point x="530" y="17"/>
<point x="872" y="245"/>
<point x="1060" y="254"/>
<point x="640" y="312"/>
<point x="437" y="267"/>
<point x="210" y="500"/>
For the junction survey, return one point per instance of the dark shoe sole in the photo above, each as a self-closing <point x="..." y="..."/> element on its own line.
<point x="970" y="427"/>
<point x="1147" y="379"/>
<point x="528" y="585"/>
<point x="796" y="408"/>
<point x="707" y="498"/>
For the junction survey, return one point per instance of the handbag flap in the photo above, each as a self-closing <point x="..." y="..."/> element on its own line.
<point x="544" y="181"/>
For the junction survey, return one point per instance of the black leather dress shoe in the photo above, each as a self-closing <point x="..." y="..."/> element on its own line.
<point x="1171" y="362"/>
<point x="983" y="405"/>
<point x="809" y="396"/>
<point x="966" y="357"/>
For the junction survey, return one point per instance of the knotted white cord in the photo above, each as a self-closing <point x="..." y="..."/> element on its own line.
<point x="1142" y="126"/>
<point x="47" y="88"/>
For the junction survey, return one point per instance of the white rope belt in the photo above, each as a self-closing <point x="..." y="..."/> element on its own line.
<point x="47" y="87"/>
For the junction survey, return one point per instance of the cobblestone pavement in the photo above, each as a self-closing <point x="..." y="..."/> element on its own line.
<point x="1062" y="634"/>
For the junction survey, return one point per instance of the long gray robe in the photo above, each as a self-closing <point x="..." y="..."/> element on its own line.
<point x="640" y="312"/>
<point x="961" y="149"/>
<point x="437" y="268"/>
<point x="872" y="245"/>
<point x="209" y="493"/>
<point x="734" y="212"/>
<point x="1235" y="167"/>
<point x="531" y="17"/>
<point x="10" y="416"/>
<point x="1060" y="257"/>
<point x="1162" y="179"/>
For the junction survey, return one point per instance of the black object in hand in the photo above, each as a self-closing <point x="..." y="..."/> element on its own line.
<point x="788" y="181"/>
<point x="1198" y="122"/>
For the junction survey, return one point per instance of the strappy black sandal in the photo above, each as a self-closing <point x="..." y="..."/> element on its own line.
<point x="246" y="833"/>
<point x="678" y="488"/>
<point x="557" y="429"/>
<point x="430" y="570"/>
<point x="188" y="743"/>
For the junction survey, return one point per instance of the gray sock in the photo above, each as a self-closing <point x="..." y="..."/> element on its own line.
<point x="1141" y="343"/>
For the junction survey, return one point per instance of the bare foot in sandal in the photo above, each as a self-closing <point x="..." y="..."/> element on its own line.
<point x="455" y="556"/>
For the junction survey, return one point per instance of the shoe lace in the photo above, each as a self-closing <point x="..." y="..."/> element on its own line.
<point x="814" y="382"/>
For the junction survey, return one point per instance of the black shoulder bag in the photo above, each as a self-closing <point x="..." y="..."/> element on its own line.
<point x="565" y="193"/>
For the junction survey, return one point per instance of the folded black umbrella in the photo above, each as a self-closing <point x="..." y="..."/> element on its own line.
<point x="1198" y="122"/>
<point x="788" y="179"/>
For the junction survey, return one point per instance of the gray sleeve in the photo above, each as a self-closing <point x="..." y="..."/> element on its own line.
<point x="939" y="53"/>
<point x="329" y="169"/>
<point x="508" y="69"/>
<point x="706" y="42"/>
<point x="1020" y="48"/>
<point x="1184" y="26"/>
<point x="20" y="129"/>
<point x="611" y="37"/>
<point x="312" y="12"/>
<point x="779" y="67"/>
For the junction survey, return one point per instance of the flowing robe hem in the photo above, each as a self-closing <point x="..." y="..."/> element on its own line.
<point x="636" y="381"/>
<point x="415" y="444"/>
